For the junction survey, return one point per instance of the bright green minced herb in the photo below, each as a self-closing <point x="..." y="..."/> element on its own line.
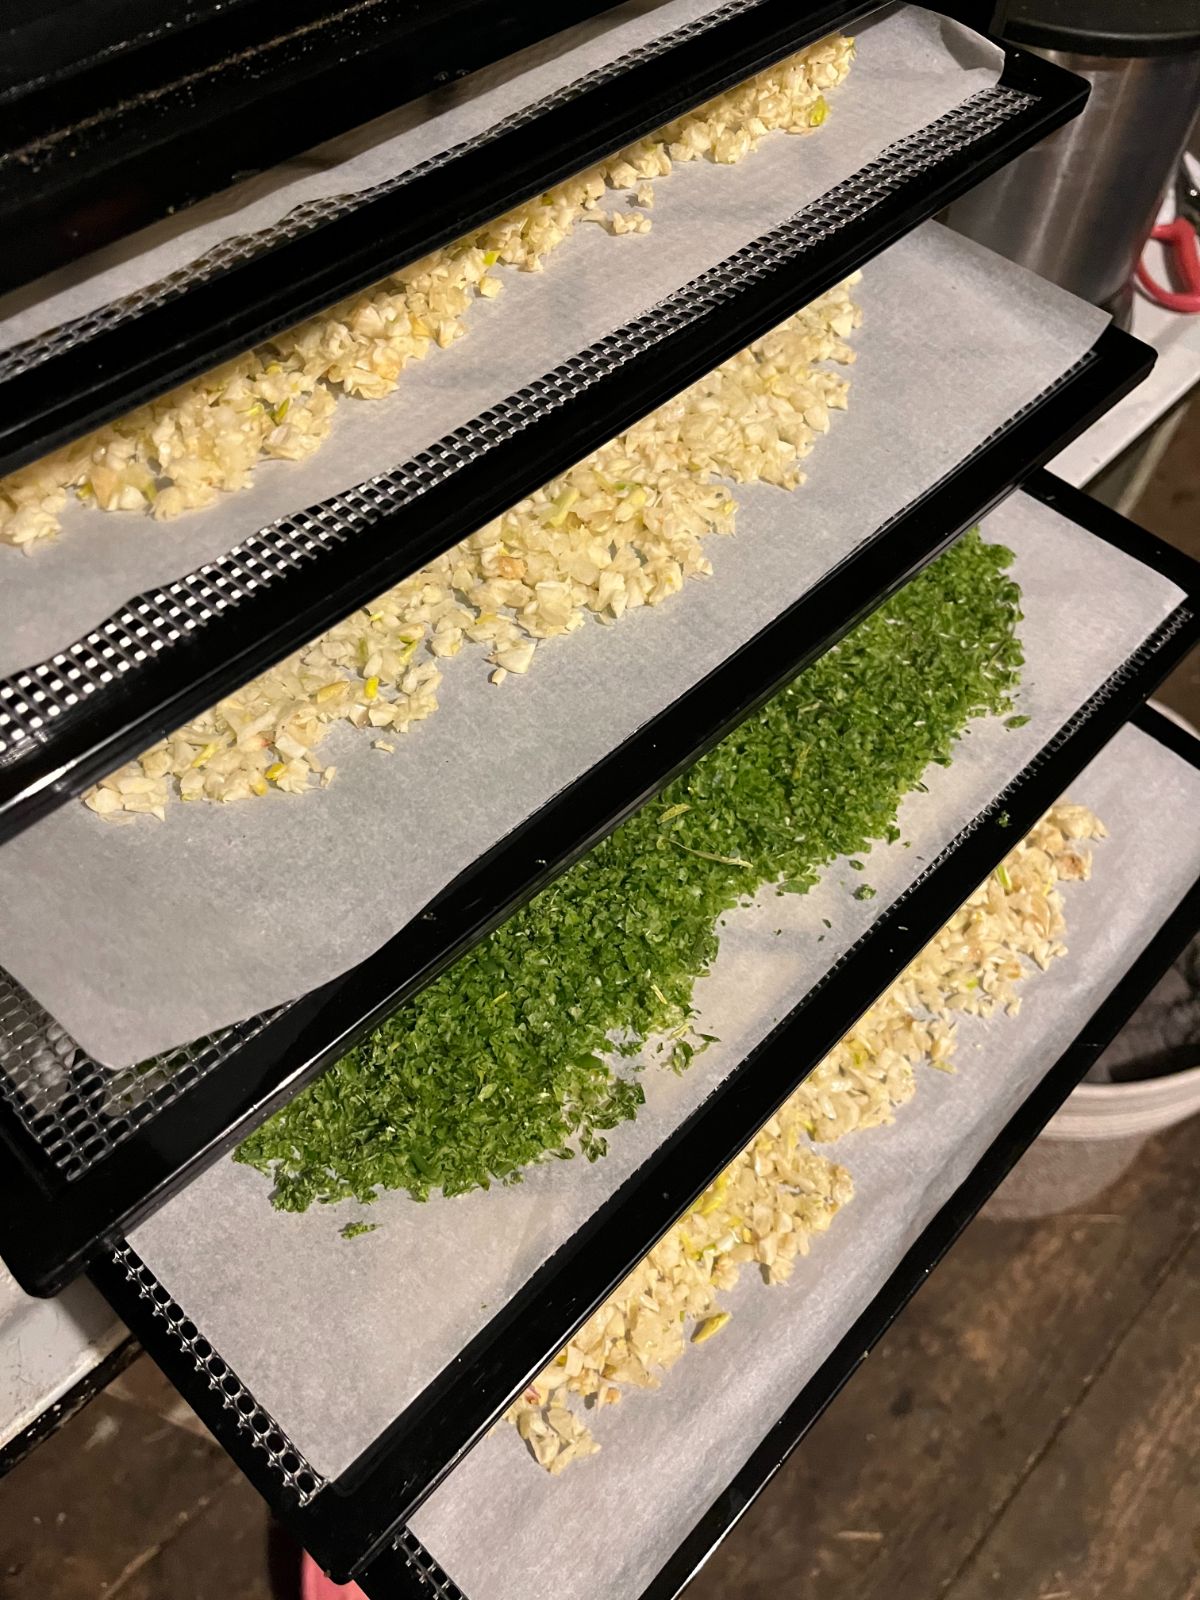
<point x="501" y="1060"/>
<point x="355" y="1230"/>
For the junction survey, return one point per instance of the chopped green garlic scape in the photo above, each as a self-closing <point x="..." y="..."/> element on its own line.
<point x="506" y="1058"/>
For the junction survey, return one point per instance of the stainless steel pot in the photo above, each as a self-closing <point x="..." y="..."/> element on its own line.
<point x="1079" y="207"/>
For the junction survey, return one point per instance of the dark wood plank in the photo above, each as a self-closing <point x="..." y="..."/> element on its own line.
<point x="90" y="1507"/>
<point x="904" y="1476"/>
<point x="1112" y="1508"/>
<point x="231" y="1552"/>
<point x="146" y="1388"/>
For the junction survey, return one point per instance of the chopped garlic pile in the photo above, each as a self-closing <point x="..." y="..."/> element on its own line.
<point x="763" y="1208"/>
<point x="625" y="528"/>
<point x="770" y="1201"/>
<point x="971" y="968"/>
<point x="277" y="402"/>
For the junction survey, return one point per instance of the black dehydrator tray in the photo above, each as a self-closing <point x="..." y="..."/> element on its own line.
<point x="82" y="1169"/>
<point x="108" y="363"/>
<point x="178" y="648"/>
<point x="114" y="116"/>
<point x="113" y="361"/>
<point x="348" y="1518"/>
<point x="410" y="1571"/>
<point x="174" y="651"/>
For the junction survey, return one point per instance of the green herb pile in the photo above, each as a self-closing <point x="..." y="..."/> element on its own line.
<point x="501" y="1060"/>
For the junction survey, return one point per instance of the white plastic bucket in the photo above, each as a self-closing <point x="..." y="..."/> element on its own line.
<point x="1091" y="1142"/>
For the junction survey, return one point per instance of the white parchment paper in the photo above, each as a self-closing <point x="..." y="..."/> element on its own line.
<point x="391" y="1315"/>
<point x="504" y="1530"/>
<point x="912" y="67"/>
<point x="143" y="937"/>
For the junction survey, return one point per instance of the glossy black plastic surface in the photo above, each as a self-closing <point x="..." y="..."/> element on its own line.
<point x="113" y="116"/>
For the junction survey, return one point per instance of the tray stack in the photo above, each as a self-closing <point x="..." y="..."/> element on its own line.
<point x="149" y="1021"/>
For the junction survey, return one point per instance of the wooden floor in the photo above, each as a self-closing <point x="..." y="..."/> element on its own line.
<point x="1028" y="1430"/>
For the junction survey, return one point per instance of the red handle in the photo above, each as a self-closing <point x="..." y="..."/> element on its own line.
<point x="1180" y="237"/>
